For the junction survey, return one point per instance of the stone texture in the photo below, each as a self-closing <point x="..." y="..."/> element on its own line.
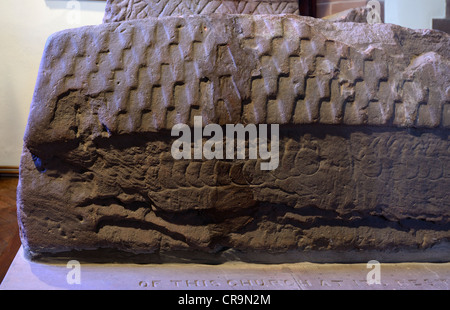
<point x="121" y="10"/>
<point x="364" y="114"/>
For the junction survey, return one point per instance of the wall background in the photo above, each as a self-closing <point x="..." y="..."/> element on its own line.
<point x="329" y="7"/>
<point x="26" y="24"/>
<point x="416" y="14"/>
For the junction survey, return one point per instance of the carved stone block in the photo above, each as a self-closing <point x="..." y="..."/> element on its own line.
<point x="364" y="162"/>
<point x="120" y="10"/>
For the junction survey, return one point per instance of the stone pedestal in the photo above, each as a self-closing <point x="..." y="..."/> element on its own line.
<point x="26" y="275"/>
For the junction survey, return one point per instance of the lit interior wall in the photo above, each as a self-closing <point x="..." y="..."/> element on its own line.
<point x="416" y="14"/>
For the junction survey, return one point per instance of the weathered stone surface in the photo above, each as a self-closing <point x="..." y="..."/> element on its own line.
<point x="364" y="114"/>
<point x="120" y="10"/>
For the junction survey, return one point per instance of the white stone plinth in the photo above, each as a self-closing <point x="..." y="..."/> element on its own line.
<point x="24" y="274"/>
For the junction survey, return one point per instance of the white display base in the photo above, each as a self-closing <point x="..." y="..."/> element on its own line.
<point x="26" y="275"/>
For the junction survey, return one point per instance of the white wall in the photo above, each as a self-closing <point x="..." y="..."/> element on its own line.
<point x="24" y="27"/>
<point x="416" y="14"/>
